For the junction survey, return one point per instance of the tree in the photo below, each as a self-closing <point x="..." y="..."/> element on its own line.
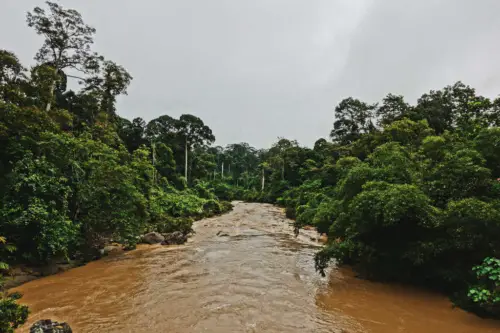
<point x="133" y="133"/>
<point x="487" y="143"/>
<point x="218" y="152"/>
<point x="461" y="174"/>
<point x="35" y="210"/>
<point x="407" y="132"/>
<point x="264" y="166"/>
<point x="194" y="133"/>
<point x="68" y="41"/>
<point x="242" y="157"/>
<point x="380" y="228"/>
<point x="12" y="78"/>
<point x="111" y="82"/>
<point x="393" y="108"/>
<point x="453" y="107"/>
<point x="352" y="118"/>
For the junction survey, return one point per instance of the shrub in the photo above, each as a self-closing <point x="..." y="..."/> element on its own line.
<point x="12" y="315"/>
<point x="486" y="290"/>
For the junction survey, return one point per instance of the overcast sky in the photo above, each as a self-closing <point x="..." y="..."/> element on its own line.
<point x="255" y="70"/>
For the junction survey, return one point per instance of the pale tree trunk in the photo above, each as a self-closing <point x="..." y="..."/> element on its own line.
<point x="49" y="103"/>
<point x="222" y="170"/>
<point x="283" y="171"/>
<point x="154" y="162"/>
<point x="186" y="160"/>
<point x="263" y="180"/>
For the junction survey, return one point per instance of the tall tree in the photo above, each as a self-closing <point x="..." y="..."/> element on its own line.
<point x="393" y="108"/>
<point x="352" y="118"/>
<point x="111" y="82"/>
<point x="194" y="133"/>
<point x="12" y="77"/>
<point x="67" y="41"/>
<point x="243" y="158"/>
<point x="132" y="132"/>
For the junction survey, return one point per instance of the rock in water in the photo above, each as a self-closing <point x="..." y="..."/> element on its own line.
<point x="152" y="238"/>
<point x="49" y="326"/>
<point x="111" y="249"/>
<point x="173" y="238"/>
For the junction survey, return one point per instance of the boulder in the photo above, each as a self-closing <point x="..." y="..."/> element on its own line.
<point x="49" y="326"/>
<point x="152" y="238"/>
<point x="110" y="248"/>
<point x="323" y="238"/>
<point x="220" y="233"/>
<point x="173" y="238"/>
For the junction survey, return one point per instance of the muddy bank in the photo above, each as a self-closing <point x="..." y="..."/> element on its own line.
<point x="240" y="272"/>
<point x="20" y="274"/>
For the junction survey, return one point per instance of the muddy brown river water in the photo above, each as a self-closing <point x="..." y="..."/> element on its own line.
<point x="258" y="278"/>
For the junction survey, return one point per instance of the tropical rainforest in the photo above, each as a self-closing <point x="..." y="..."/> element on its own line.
<point x="405" y="192"/>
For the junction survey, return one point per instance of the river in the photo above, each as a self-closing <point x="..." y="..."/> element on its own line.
<point x="257" y="278"/>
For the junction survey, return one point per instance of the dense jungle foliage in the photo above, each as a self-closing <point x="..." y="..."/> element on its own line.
<point x="73" y="174"/>
<point x="407" y="193"/>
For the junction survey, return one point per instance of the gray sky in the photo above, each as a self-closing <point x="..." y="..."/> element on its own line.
<point x="254" y="70"/>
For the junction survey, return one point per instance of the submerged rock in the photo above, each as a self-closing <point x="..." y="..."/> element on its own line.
<point x="323" y="238"/>
<point x="110" y="249"/>
<point x="173" y="238"/>
<point x="49" y="326"/>
<point x="153" y="238"/>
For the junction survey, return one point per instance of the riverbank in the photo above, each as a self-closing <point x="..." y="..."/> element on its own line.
<point x="23" y="273"/>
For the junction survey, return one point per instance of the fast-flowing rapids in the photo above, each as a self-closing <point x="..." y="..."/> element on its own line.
<point x="240" y="272"/>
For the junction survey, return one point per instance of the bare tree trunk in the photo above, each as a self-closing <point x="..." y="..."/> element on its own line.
<point x="222" y="171"/>
<point x="186" y="160"/>
<point x="49" y="103"/>
<point x="154" y="162"/>
<point x="283" y="170"/>
<point x="263" y="180"/>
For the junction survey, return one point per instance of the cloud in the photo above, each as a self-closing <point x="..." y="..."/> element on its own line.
<point x="410" y="47"/>
<point x="256" y="70"/>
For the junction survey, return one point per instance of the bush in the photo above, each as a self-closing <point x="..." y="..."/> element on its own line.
<point x="224" y="191"/>
<point x="169" y="224"/>
<point x="212" y="207"/>
<point x="12" y="315"/>
<point x="486" y="290"/>
<point x="226" y="206"/>
<point x="327" y="211"/>
<point x="381" y="228"/>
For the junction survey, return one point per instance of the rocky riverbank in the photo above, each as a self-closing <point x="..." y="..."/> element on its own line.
<point x="20" y="274"/>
